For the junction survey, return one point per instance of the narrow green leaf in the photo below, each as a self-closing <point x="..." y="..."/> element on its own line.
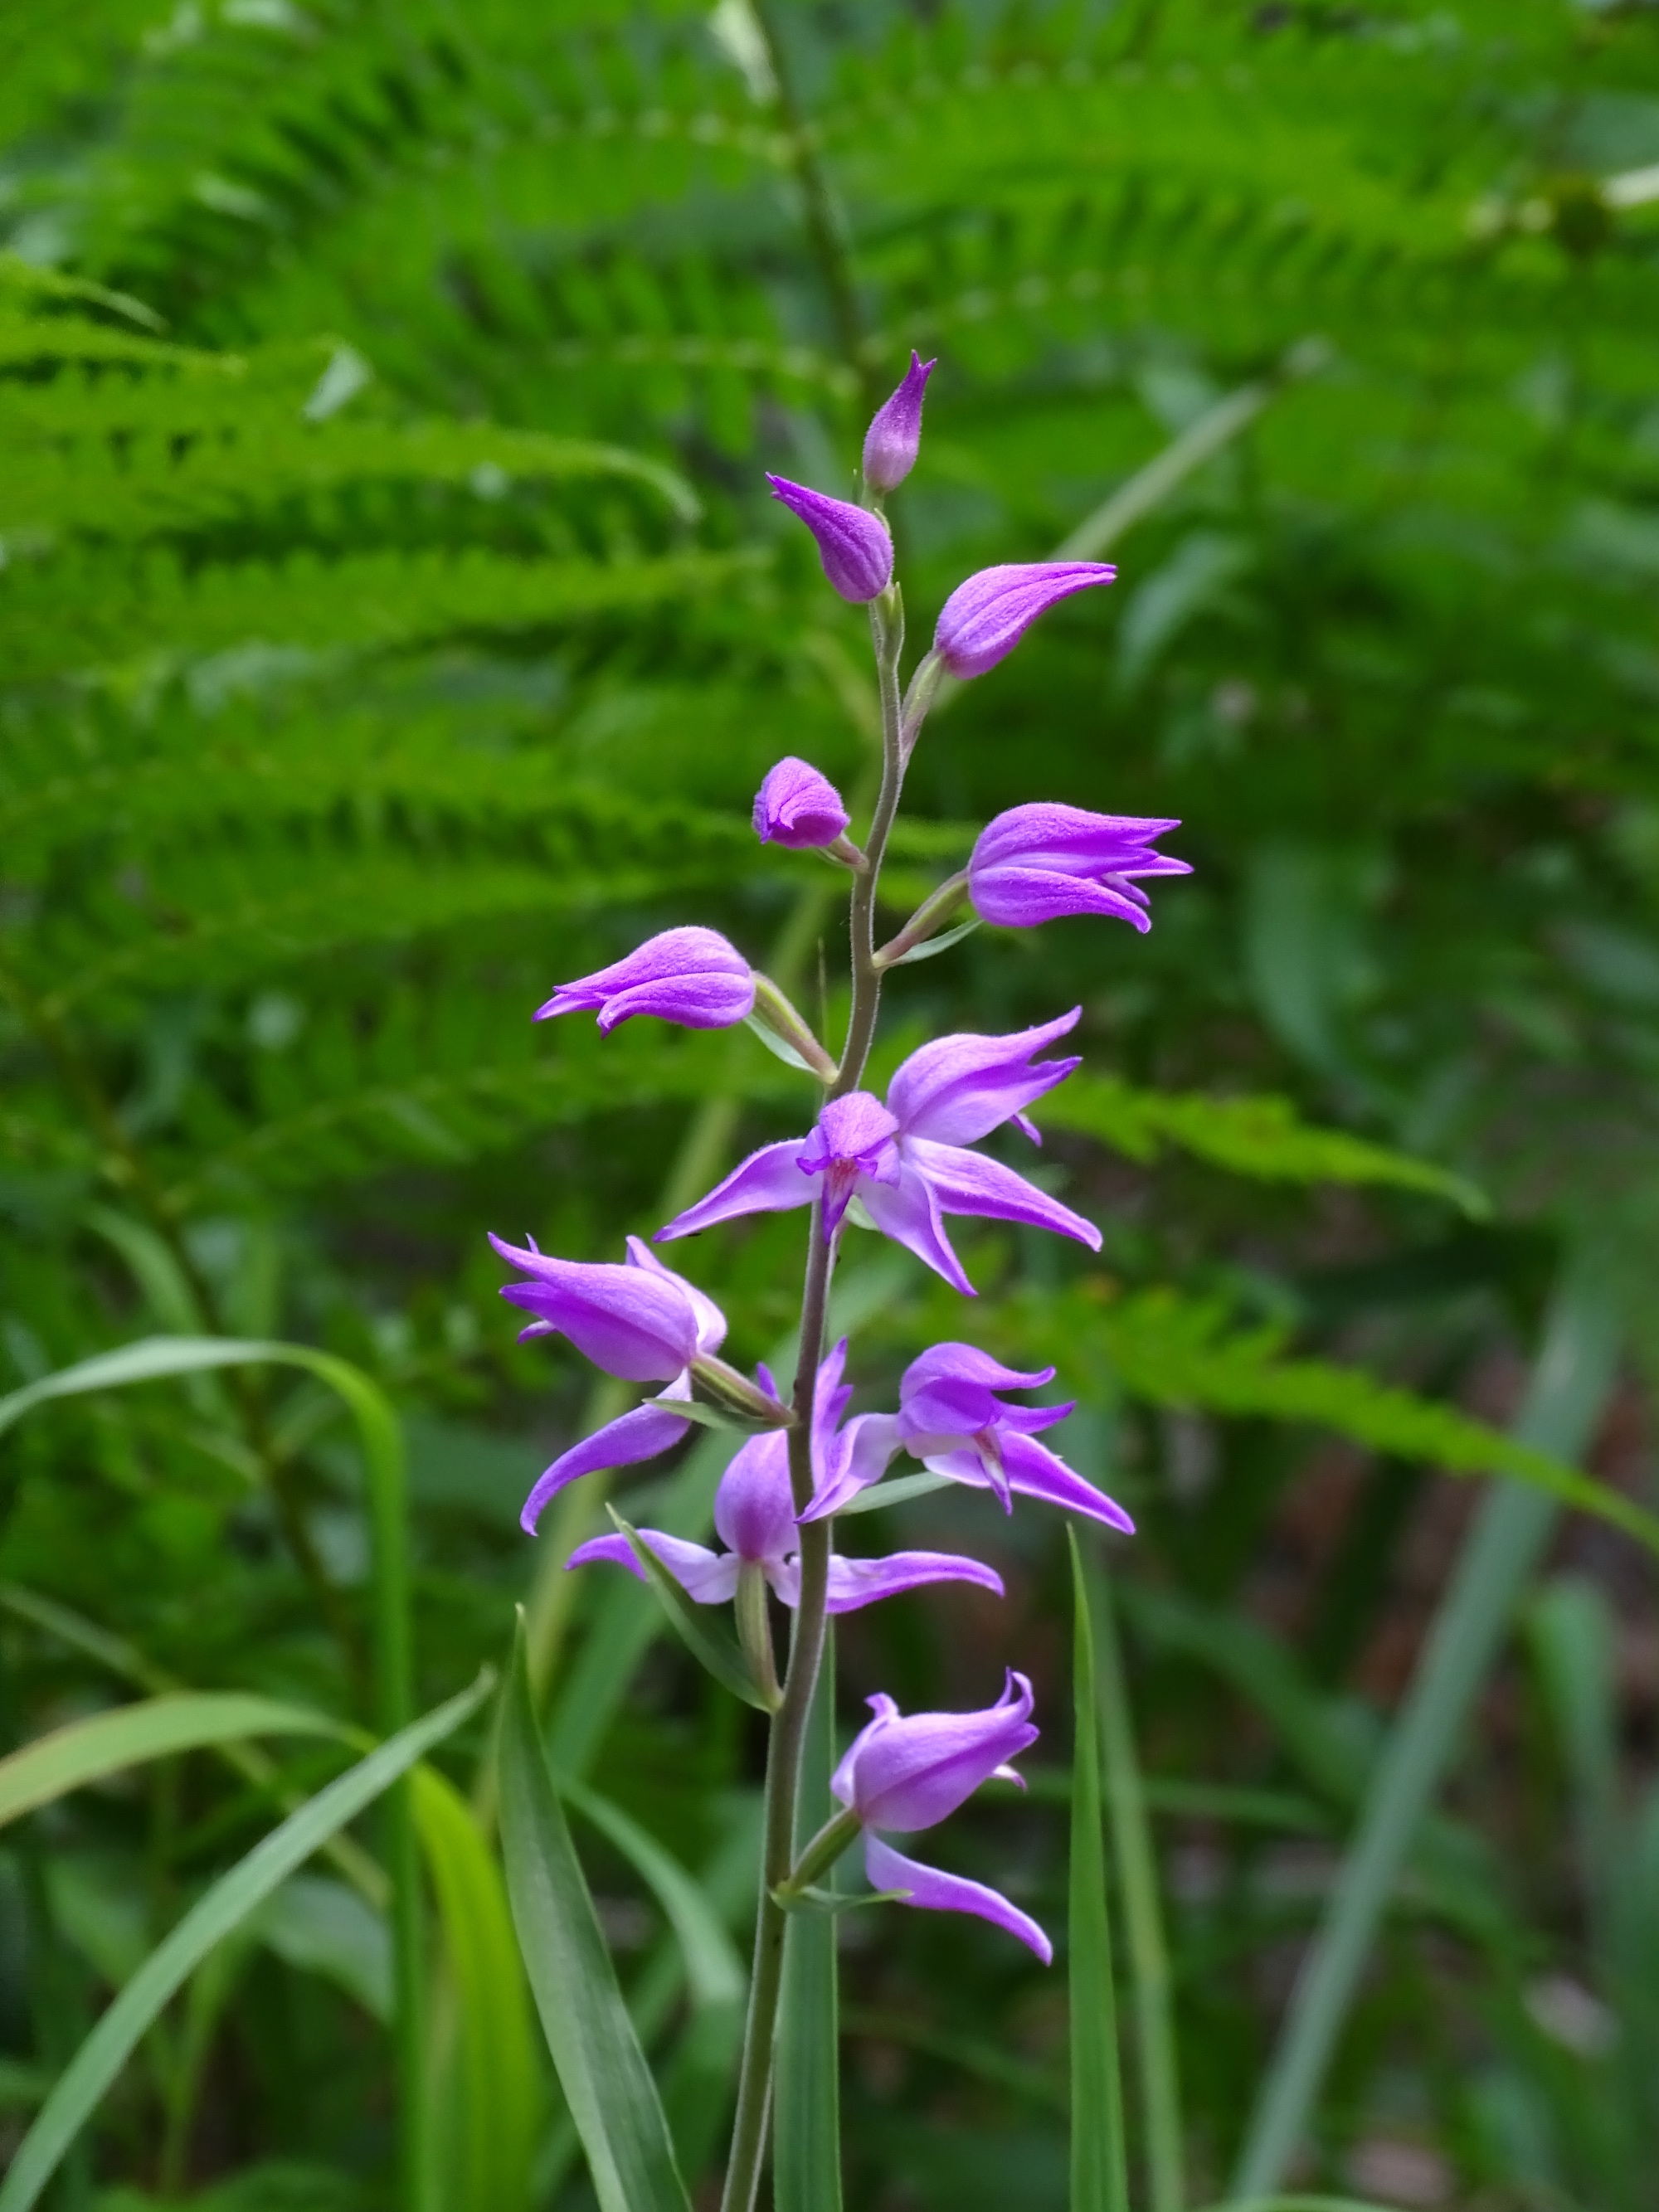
<point x="780" y="1048"/>
<point x="931" y="947"/>
<point x="601" y="2065"/>
<point x="1100" y="2181"/>
<point x="500" y="2097"/>
<point x="1143" y="1918"/>
<point x="1569" y="1385"/>
<point x="94" y="2067"/>
<point x="897" y="1492"/>
<point x="713" y="1971"/>
<point x="816" y="1902"/>
<point x="806" y="2083"/>
<point x="88" y="1750"/>
<point x="709" y="1645"/>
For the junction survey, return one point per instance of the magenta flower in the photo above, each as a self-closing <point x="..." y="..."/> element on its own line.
<point x="853" y="545"/>
<point x="951" y="1419"/>
<point x="641" y="1321"/>
<point x="692" y="976"/>
<point x="1035" y="863"/>
<point x="906" y="1163"/>
<point x="906" y="1773"/>
<point x="984" y="619"/>
<point x="755" y="1519"/>
<point x="893" y="438"/>
<point x="797" y="807"/>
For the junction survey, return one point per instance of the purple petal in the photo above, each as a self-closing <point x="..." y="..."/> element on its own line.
<point x="711" y="1322"/>
<point x="1024" y="898"/>
<point x="853" y="545"/>
<point x="860" y="1455"/>
<point x="702" y="1574"/>
<point x="753" y="1506"/>
<point x="769" y="1182"/>
<point x="856" y="1582"/>
<point x="967" y="1182"/>
<point x="797" y="807"/>
<point x="692" y="976"/>
<point x="893" y="438"/>
<point x="628" y="1321"/>
<point x="934" y="1890"/>
<point x="966" y="1363"/>
<point x="1031" y="1470"/>
<point x="1043" y="835"/>
<point x="907" y="1212"/>
<point x="985" y="619"/>
<point x="637" y="1436"/>
<point x="830" y="1399"/>
<point x="958" y="1089"/>
<point x="908" y="1771"/>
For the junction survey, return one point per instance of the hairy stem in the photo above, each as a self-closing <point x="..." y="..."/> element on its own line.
<point x="783" y="1757"/>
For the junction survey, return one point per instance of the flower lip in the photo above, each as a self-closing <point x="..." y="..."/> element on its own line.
<point x="853" y="1136"/>
<point x="1036" y="863"/>
<point x="853" y="544"/>
<point x="693" y="976"/>
<point x="985" y="619"/>
<point x="797" y="807"/>
<point x="893" y="438"/>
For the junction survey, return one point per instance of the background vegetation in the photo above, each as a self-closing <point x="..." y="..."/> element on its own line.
<point x="392" y="624"/>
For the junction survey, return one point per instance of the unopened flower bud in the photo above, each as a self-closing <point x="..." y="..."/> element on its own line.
<point x="692" y="976"/>
<point x="853" y="545"/>
<point x="984" y="619"/>
<point x="1036" y="863"/>
<point x="891" y="442"/>
<point x="797" y="807"/>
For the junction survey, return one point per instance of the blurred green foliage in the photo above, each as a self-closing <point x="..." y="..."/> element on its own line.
<point x="392" y="624"/>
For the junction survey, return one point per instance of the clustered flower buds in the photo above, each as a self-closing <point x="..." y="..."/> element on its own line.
<point x="901" y="1164"/>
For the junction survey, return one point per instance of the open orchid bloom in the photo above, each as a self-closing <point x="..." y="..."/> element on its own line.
<point x="692" y="976"/>
<point x="951" y="1419"/>
<point x="906" y="1163"/>
<point x="1036" y="863"/>
<point x="639" y="1322"/>
<point x="755" y="1520"/>
<point x="904" y="1772"/>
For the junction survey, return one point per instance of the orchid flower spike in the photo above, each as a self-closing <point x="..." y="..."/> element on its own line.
<point x="905" y="1773"/>
<point x="1036" y="863"/>
<point x="641" y="1321"/>
<point x="905" y="1163"/>
<point x="797" y="808"/>
<point x="853" y="545"/>
<point x="985" y="619"/>
<point x="893" y="438"/>
<point x="755" y="1520"/>
<point x="951" y="1419"/>
<point x="692" y="976"/>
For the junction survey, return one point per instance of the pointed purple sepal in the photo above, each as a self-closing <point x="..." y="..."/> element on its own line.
<point x="935" y="1891"/>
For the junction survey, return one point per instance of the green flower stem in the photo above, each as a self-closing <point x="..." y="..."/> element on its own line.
<point x="822" y="1852"/>
<point x="929" y="917"/>
<point x="783" y="1760"/>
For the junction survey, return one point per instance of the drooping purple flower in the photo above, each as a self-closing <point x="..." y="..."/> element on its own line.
<point x="797" y="807"/>
<point x="951" y="1419"/>
<point x="639" y="1322"/>
<point x="907" y="1163"/>
<point x="853" y="545"/>
<point x="984" y="619"/>
<point x="1036" y="863"/>
<point x="692" y="976"/>
<point x="905" y="1773"/>
<point x="755" y="1519"/>
<point x="893" y="438"/>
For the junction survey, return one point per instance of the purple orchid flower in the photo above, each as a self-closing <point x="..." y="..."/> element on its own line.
<point x="641" y="1321"/>
<point x="893" y="438"/>
<point x="908" y="1772"/>
<point x="906" y="1163"/>
<point x="984" y="619"/>
<point x="951" y="1419"/>
<point x="853" y="545"/>
<point x="692" y="976"/>
<point x="797" y="807"/>
<point x="755" y="1519"/>
<point x="1036" y="863"/>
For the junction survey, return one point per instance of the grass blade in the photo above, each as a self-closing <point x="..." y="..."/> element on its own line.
<point x="86" y="1751"/>
<point x="94" y="2067"/>
<point x="1569" y="1387"/>
<point x="806" y="2091"/>
<point x="601" y="2067"/>
<point x="499" y="2084"/>
<point x="1100" y="2181"/>
<point x="1143" y="1917"/>
<point x="713" y="1971"/>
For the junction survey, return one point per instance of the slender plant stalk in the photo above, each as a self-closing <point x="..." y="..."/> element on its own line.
<point x="783" y="1763"/>
<point x="1143" y="1918"/>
